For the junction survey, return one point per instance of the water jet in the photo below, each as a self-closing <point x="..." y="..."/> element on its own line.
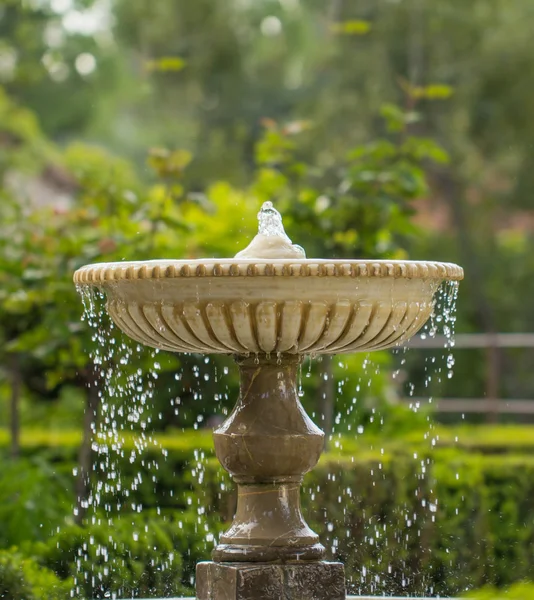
<point x="268" y="307"/>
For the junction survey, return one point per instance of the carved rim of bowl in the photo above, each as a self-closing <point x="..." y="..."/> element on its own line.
<point x="98" y="274"/>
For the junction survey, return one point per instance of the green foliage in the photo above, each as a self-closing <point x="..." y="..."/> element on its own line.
<point x="429" y="92"/>
<point x="487" y="439"/>
<point x="22" y="578"/>
<point x="35" y="500"/>
<point x="166" y="64"/>
<point x="367" y="399"/>
<point x="444" y="519"/>
<point x="44" y="63"/>
<point x="411" y="519"/>
<point x="519" y="591"/>
<point x="396" y="119"/>
<point x="195" y="533"/>
<point x="42" y="246"/>
<point x="179" y="442"/>
<point x="129" y="555"/>
<point x="354" y="27"/>
<point x="179" y="453"/>
<point x="167" y="163"/>
<point x="360" y="207"/>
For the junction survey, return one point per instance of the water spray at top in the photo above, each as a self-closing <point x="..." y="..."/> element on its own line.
<point x="271" y="241"/>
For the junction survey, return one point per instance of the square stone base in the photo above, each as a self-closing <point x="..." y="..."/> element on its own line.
<point x="257" y="581"/>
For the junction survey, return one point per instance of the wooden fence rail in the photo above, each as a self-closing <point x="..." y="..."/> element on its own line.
<point x="477" y="340"/>
<point x="491" y="405"/>
<point x="477" y="405"/>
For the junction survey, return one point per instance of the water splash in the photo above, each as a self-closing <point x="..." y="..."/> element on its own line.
<point x="126" y="410"/>
<point x="271" y="241"/>
<point x="128" y="455"/>
<point x="390" y="545"/>
<point x="270" y="221"/>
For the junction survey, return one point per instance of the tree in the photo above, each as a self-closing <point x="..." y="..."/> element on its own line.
<point x="47" y="57"/>
<point x="360" y="207"/>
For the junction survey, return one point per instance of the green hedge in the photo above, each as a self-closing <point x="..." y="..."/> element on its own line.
<point x="487" y="439"/>
<point x="466" y="522"/>
<point x="161" y="476"/>
<point x="520" y="591"/>
<point x="403" y="517"/>
<point x="21" y="578"/>
<point x="35" y="497"/>
<point x="132" y="555"/>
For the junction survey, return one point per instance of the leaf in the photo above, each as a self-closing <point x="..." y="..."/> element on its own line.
<point x="274" y="148"/>
<point x="269" y="182"/>
<point x="377" y="151"/>
<point x="352" y="27"/>
<point x="174" y="222"/>
<point x="166" y="64"/>
<point x="394" y="117"/>
<point x="166" y="162"/>
<point x="348" y="238"/>
<point x="438" y="92"/>
<point x="425" y="148"/>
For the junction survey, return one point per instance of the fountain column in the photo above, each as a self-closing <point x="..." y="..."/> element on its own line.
<point x="267" y="444"/>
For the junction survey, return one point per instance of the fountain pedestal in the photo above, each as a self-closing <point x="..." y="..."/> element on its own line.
<point x="267" y="444"/>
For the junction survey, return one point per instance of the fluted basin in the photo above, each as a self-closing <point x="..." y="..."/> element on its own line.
<point x="277" y="306"/>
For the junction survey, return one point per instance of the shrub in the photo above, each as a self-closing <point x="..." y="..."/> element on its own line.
<point x="133" y="554"/>
<point x="520" y="591"/>
<point x="35" y="499"/>
<point x="407" y="520"/>
<point x="440" y="523"/>
<point x="21" y="578"/>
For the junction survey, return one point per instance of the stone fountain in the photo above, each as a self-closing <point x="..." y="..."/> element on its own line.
<point x="269" y="306"/>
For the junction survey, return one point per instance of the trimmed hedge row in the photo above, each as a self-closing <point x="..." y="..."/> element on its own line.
<point x="161" y="475"/>
<point x="487" y="439"/>
<point x="520" y="591"/>
<point x="22" y="578"/>
<point x="403" y="518"/>
<point x="133" y="555"/>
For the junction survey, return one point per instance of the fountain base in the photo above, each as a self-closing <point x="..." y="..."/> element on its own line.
<point x="263" y="581"/>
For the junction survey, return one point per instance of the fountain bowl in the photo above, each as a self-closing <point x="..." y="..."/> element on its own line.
<point x="245" y="306"/>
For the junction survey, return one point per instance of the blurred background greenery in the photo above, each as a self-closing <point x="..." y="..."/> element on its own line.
<point x="134" y="129"/>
